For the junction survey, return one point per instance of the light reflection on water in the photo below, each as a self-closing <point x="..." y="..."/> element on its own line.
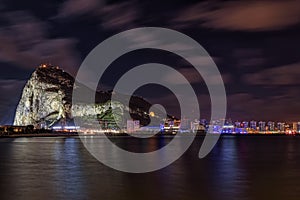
<point x="237" y="168"/>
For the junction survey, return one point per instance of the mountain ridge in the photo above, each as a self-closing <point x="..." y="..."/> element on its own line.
<point x="47" y="100"/>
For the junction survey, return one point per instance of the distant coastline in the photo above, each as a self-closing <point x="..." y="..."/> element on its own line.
<point x="76" y="134"/>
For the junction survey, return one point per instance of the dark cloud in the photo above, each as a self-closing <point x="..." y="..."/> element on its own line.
<point x="193" y="77"/>
<point x="243" y="16"/>
<point x="25" y="42"/>
<point x="248" y="57"/>
<point x="278" y="76"/>
<point x="71" y="8"/>
<point x="115" y="16"/>
<point x="245" y="106"/>
<point x="113" y="19"/>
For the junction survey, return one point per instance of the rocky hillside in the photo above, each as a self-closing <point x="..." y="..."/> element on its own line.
<point x="47" y="96"/>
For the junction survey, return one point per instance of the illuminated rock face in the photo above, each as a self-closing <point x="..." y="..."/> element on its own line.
<point x="47" y="96"/>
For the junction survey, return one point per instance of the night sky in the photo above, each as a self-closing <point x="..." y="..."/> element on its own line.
<point x="255" y="44"/>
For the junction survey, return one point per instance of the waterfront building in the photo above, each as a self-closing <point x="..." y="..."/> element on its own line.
<point x="171" y="125"/>
<point x="66" y="128"/>
<point x="253" y="125"/>
<point x="194" y="125"/>
<point x="133" y="126"/>
<point x="271" y="126"/>
<point x="204" y="122"/>
<point x="262" y="126"/>
<point x="228" y="122"/>
<point x="295" y="124"/>
<point x="281" y="126"/>
<point x="185" y="124"/>
<point x="228" y="129"/>
<point x="9" y="129"/>
<point x="237" y="124"/>
<point x="296" y="127"/>
<point x="216" y="126"/>
<point x="245" y="124"/>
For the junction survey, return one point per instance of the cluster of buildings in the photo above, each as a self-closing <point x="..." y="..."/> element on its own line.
<point x="255" y="127"/>
<point x="9" y="129"/>
<point x="173" y="125"/>
<point x="224" y="126"/>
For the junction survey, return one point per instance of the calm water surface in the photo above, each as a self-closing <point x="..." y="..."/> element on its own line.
<point x="237" y="168"/>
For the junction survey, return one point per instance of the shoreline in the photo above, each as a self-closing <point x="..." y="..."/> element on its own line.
<point x="75" y="134"/>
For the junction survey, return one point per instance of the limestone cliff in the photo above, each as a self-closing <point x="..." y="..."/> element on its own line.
<point x="47" y="96"/>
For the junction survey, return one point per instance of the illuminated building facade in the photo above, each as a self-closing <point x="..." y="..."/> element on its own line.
<point x="8" y="129"/>
<point x="281" y="127"/>
<point x="262" y="126"/>
<point x="271" y="126"/>
<point x="296" y="127"/>
<point x="253" y="125"/>
<point x="133" y="126"/>
<point x="237" y="124"/>
<point x="245" y="124"/>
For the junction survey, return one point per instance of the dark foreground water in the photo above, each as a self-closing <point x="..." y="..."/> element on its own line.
<point x="237" y="168"/>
